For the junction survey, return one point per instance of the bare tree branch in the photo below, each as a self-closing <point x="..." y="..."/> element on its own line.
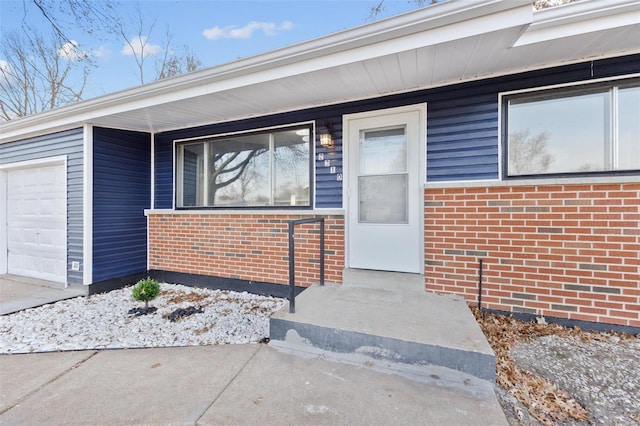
<point x="528" y="154"/>
<point x="91" y="17"/>
<point x="168" y="62"/>
<point x="378" y="8"/>
<point x="36" y="76"/>
<point x="225" y="168"/>
<point x="139" y="45"/>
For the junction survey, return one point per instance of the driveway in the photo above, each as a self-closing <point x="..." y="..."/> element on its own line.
<point x="18" y="293"/>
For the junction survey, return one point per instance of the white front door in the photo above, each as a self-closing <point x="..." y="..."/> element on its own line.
<point x="37" y="222"/>
<point x="384" y="206"/>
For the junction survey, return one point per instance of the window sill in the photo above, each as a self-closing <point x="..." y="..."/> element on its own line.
<point x="536" y="181"/>
<point x="247" y="212"/>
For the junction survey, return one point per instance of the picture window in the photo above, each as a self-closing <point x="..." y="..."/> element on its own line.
<point x="574" y="130"/>
<point x="254" y="169"/>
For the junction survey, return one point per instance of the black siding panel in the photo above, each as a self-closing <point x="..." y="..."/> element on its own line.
<point x="121" y="193"/>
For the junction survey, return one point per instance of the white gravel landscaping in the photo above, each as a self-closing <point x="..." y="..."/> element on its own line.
<point x="102" y="321"/>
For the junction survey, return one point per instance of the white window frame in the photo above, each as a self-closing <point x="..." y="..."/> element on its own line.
<point x="502" y="126"/>
<point x="271" y="129"/>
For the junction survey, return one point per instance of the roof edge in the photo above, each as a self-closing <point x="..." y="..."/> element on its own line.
<point x="578" y="18"/>
<point x="433" y="16"/>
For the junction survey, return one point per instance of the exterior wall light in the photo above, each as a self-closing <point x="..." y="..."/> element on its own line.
<point x="326" y="137"/>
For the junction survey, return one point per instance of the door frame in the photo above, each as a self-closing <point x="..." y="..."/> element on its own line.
<point x="422" y="173"/>
<point x="4" y="193"/>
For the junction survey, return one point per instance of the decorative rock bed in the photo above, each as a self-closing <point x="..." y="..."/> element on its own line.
<point x="185" y="316"/>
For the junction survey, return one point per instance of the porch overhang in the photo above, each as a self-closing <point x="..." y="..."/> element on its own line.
<point x="446" y="43"/>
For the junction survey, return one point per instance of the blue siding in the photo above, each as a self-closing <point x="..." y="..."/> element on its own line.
<point x="163" y="172"/>
<point x="121" y="193"/>
<point x="328" y="190"/>
<point x="69" y="143"/>
<point x="462" y="139"/>
<point x="462" y="126"/>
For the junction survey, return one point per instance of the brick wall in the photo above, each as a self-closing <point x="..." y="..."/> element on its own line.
<point x="244" y="246"/>
<point x="569" y="251"/>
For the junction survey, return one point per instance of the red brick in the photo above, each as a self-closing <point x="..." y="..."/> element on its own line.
<point x="597" y="228"/>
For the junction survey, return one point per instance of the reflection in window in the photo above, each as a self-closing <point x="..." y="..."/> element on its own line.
<point x="629" y="128"/>
<point x="192" y="166"/>
<point x="383" y="151"/>
<point x="574" y="131"/>
<point x="383" y="174"/>
<point x="253" y="169"/>
<point x="383" y="199"/>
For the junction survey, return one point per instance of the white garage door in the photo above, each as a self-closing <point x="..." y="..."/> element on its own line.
<point x="37" y="222"/>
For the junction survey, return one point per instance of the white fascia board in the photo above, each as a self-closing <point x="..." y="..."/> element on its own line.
<point x="87" y="205"/>
<point x="431" y="25"/>
<point x="4" y="203"/>
<point x="580" y="18"/>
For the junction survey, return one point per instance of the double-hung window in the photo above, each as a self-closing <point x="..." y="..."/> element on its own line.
<point x="254" y="169"/>
<point x="583" y="129"/>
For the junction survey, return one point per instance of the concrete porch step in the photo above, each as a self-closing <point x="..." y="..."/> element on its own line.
<point x="405" y="327"/>
<point x="383" y="280"/>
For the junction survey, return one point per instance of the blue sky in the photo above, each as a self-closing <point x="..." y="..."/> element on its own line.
<point x="217" y="31"/>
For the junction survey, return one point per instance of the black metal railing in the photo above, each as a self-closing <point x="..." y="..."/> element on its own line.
<point x="292" y="257"/>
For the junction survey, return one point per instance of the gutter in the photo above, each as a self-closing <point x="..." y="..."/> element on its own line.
<point x="578" y="18"/>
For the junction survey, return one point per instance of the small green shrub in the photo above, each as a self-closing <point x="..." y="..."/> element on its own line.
<point x="146" y="290"/>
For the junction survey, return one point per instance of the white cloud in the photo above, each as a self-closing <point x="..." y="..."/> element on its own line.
<point x="5" y="70"/>
<point x="101" y="52"/>
<point x="71" y="51"/>
<point x="140" y="46"/>
<point x="231" y="31"/>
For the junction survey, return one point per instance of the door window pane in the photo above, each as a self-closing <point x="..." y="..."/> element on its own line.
<point x="383" y="151"/>
<point x="383" y="199"/>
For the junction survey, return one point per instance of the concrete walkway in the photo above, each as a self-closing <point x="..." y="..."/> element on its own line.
<point x="18" y="293"/>
<point x="232" y="384"/>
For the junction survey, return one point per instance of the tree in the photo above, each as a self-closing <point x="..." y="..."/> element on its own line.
<point x="102" y="17"/>
<point x="92" y="17"/>
<point x="544" y="4"/>
<point x="168" y="61"/>
<point x="145" y="291"/>
<point x="528" y="154"/>
<point x="39" y="74"/>
<point x="243" y="171"/>
<point x="174" y="63"/>
<point x="139" y="45"/>
<point x="229" y="166"/>
<point x="171" y="62"/>
<point x="378" y="8"/>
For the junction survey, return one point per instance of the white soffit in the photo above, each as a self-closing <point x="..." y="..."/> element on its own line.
<point x="157" y="106"/>
<point x="441" y="44"/>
